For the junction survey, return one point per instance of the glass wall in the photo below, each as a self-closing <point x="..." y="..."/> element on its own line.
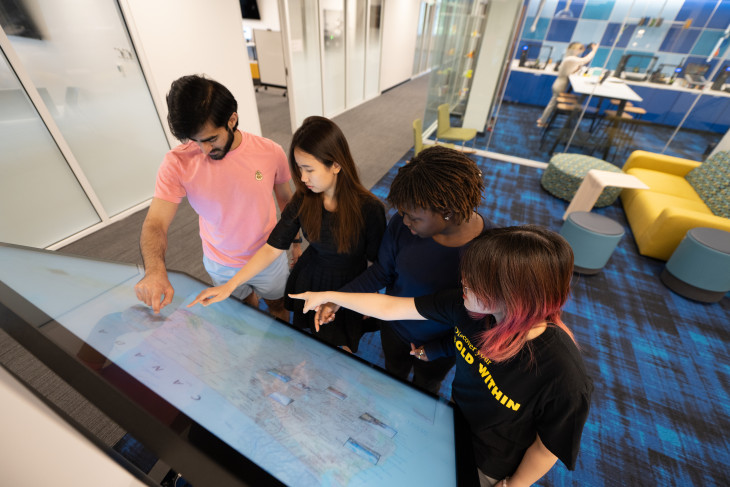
<point x="304" y="59"/>
<point x="81" y="138"/>
<point x="334" y="52"/>
<point x="37" y="184"/>
<point x="451" y="47"/>
<point x="80" y="58"/>
<point x="372" y="59"/>
<point x="356" y="33"/>
<point x="657" y="80"/>
<point x="424" y="37"/>
<point x="333" y="55"/>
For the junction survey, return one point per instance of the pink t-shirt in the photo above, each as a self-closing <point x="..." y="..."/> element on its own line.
<point x="233" y="196"/>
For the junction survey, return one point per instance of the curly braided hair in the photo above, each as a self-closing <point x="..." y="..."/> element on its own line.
<point x="441" y="180"/>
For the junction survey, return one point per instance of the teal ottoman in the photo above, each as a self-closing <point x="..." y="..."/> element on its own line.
<point x="593" y="239"/>
<point x="565" y="172"/>
<point x="699" y="268"/>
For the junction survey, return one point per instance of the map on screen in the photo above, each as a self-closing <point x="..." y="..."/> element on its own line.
<point x="308" y="414"/>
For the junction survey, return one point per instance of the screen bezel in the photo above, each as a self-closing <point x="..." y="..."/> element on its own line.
<point x="215" y="464"/>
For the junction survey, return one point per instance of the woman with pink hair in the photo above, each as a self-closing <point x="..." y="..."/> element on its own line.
<point x="520" y="380"/>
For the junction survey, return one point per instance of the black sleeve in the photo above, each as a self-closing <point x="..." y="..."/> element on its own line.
<point x="382" y="273"/>
<point x="560" y="423"/>
<point x="446" y="306"/>
<point x="287" y="227"/>
<point x="374" y="228"/>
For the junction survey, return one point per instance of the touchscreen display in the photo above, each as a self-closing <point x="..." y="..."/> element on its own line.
<point x="308" y="414"/>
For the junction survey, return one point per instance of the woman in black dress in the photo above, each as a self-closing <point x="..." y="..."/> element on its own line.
<point x="342" y="221"/>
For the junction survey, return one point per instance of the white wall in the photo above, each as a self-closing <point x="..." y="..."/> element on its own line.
<point x="400" y="28"/>
<point x="179" y="37"/>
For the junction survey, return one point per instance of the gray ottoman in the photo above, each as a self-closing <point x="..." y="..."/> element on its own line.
<point x="699" y="268"/>
<point x="593" y="239"/>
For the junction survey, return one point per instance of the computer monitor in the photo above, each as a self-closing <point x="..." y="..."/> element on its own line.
<point x="225" y="394"/>
<point x="694" y="73"/>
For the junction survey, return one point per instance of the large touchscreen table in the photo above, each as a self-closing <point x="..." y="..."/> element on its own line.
<point x="306" y="413"/>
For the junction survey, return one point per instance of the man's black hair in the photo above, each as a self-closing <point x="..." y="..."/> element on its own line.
<point x="194" y="100"/>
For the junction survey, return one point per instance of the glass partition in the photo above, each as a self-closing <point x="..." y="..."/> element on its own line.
<point x="356" y="33"/>
<point x="450" y="45"/>
<point x="37" y="184"/>
<point x="372" y="57"/>
<point x="333" y="56"/>
<point x="93" y="87"/>
<point x="657" y="80"/>
<point x="306" y="74"/>
<point x="708" y="117"/>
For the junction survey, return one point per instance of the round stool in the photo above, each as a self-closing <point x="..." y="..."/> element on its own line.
<point x="565" y="172"/>
<point x="699" y="268"/>
<point x="593" y="239"/>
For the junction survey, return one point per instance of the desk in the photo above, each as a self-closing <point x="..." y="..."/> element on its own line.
<point x="610" y="88"/>
<point x="592" y="186"/>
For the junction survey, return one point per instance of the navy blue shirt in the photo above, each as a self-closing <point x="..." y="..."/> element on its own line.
<point x="411" y="266"/>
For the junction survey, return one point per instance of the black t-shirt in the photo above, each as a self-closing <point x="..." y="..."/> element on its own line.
<point x="508" y="403"/>
<point x="368" y="242"/>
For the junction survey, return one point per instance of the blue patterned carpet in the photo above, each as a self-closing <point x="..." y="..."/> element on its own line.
<point x="661" y="407"/>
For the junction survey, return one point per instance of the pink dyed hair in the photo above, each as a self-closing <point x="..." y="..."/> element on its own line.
<point x="524" y="270"/>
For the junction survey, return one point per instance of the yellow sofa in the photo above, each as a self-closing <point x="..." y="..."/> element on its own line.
<point x="682" y="195"/>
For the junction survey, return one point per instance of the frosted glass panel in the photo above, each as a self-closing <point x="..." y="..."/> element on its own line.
<point x="419" y="39"/>
<point x="85" y="64"/>
<point x="372" y="68"/>
<point x="356" y="23"/>
<point x="305" y="59"/>
<point x="37" y="184"/>
<point x="333" y="82"/>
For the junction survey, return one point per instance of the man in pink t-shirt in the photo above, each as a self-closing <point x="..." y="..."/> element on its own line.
<point x="229" y="178"/>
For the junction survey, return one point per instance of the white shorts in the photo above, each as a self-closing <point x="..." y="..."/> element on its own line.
<point x="268" y="284"/>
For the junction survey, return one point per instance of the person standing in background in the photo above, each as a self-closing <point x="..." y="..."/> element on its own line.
<point x="570" y="64"/>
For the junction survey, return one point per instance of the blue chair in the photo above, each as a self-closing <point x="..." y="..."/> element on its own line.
<point x="699" y="267"/>
<point x="593" y="238"/>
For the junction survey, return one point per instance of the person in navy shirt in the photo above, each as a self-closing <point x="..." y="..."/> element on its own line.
<point x="520" y="380"/>
<point x="436" y="196"/>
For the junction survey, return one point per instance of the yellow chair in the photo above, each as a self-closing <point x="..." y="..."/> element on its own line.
<point x="417" y="136"/>
<point x="447" y="132"/>
<point x="418" y="144"/>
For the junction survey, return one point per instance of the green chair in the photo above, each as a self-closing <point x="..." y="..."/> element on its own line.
<point x="418" y="144"/>
<point x="417" y="136"/>
<point x="445" y="131"/>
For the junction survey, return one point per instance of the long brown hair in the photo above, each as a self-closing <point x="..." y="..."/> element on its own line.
<point x="323" y="139"/>
<point x="524" y="270"/>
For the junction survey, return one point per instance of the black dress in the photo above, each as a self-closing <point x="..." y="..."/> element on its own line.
<point x="322" y="268"/>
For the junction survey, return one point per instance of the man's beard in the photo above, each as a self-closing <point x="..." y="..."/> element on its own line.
<point x="218" y="154"/>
